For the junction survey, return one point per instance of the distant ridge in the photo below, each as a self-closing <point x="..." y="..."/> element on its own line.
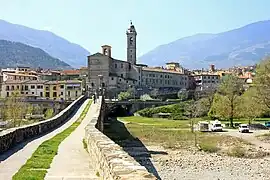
<point x="243" y="46"/>
<point x="14" y="54"/>
<point x="54" y="45"/>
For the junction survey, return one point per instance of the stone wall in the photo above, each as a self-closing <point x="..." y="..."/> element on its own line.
<point x="11" y="137"/>
<point x="109" y="159"/>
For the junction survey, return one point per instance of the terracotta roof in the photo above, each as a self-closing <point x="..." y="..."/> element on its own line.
<point x="71" y="72"/>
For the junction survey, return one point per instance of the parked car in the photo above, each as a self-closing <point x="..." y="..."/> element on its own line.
<point x="267" y="124"/>
<point x="243" y="128"/>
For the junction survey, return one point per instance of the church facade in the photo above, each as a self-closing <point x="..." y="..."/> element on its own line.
<point x="117" y="75"/>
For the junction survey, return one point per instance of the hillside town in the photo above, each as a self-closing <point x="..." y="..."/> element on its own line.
<point x="181" y="92"/>
<point x="115" y="76"/>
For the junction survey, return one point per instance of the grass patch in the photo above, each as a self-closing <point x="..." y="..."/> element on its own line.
<point x="174" y="134"/>
<point x="210" y="147"/>
<point x="36" y="166"/>
<point x="237" y="151"/>
<point x="156" y="122"/>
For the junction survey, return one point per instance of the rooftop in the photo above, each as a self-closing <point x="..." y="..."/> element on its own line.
<point x="161" y="70"/>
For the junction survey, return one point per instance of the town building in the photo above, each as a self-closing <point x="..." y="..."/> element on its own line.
<point x="42" y="89"/>
<point x="206" y="81"/>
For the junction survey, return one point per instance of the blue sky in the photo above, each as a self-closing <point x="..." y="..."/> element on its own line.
<point x="92" y="23"/>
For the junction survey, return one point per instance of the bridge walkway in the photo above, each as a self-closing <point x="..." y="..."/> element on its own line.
<point x="72" y="160"/>
<point x="11" y="162"/>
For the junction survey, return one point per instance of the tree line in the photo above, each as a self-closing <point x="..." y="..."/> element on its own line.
<point x="15" y="110"/>
<point x="232" y="100"/>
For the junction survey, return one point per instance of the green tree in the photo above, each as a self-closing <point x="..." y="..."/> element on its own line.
<point x="145" y="97"/>
<point x="124" y="95"/>
<point x="15" y="108"/>
<point x="262" y="82"/>
<point x="49" y="113"/>
<point x="250" y="106"/>
<point x="183" y="95"/>
<point x="225" y="103"/>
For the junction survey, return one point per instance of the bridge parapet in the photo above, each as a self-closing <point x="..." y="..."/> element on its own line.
<point x="107" y="157"/>
<point x="11" y="137"/>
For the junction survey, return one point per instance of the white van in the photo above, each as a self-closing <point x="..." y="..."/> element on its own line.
<point x="216" y="126"/>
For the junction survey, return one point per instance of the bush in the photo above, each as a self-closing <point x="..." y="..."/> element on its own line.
<point x="209" y="147"/>
<point x="237" y="151"/>
<point x="176" y="110"/>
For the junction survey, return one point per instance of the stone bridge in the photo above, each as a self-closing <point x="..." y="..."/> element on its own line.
<point x="108" y="159"/>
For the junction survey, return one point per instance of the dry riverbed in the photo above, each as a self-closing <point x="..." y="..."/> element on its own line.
<point x="194" y="165"/>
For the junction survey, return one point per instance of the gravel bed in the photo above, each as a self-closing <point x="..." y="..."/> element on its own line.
<point x="188" y="165"/>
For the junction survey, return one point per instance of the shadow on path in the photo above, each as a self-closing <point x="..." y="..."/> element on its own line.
<point x="21" y="145"/>
<point x="117" y="131"/>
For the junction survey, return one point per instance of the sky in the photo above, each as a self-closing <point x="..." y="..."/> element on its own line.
<point x="93" y="23"/>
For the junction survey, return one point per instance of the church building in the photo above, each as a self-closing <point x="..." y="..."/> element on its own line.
<point x="117" y="75"/>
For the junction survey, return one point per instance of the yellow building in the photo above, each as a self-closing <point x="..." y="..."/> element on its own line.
<point x="54" y="90"/>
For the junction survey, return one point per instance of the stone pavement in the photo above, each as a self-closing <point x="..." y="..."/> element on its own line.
<point x="72" y="160"/>
<point x="9" y="165"/>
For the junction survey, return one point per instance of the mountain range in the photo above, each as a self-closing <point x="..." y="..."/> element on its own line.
<point x="239" y="47"/>
<point x="14" y="54"/>
<point x="56" y="46"/>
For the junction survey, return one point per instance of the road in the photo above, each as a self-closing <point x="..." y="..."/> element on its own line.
<point x="250" y="137"/>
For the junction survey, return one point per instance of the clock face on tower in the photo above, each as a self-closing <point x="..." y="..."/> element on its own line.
<point x="131" y="40"/>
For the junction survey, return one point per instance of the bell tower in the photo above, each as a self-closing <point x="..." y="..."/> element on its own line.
<point x="131" y="44"/>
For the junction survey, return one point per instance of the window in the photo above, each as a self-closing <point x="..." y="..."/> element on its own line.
<point x="119" y="79"/>
<point x="12" y="87"/>
<point x="92" y="84"/>
<point x="115" y="65"/>
<point x="130" y="56"/>
<point x="122" y="65"/>
<point x="54" y="94"/>
<point x="18" y="87"/>
<point x="68" y="93"/>
<point x="33" y="92"/>
<point x="7" y="94"/>
<point x="41" y="94"/>
<point x="26" y="93"/>
<point x="26" y="88"/>
<point x="54" y="88"/>
<point x="76" y="93"/>
<point x="126" y="81"/>
<point x="62" y="86"/>
<point x="47" y="88"/>
<point x="32" y="87"/>
<point x="47" y="94"/>
<point x="62" y="93"/>
<point x="121" y="75"/>
<point x="7" y="88"/>
<point x="112" y="78"/>
<point x="39" y="87"/>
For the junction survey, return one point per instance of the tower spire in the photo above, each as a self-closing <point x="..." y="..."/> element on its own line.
<point x="130" y="22"/>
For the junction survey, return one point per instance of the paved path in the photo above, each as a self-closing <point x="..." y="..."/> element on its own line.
<point x="72" y="160"/>
<point x="11" y="164"/>
<point x="250" y="137"/>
